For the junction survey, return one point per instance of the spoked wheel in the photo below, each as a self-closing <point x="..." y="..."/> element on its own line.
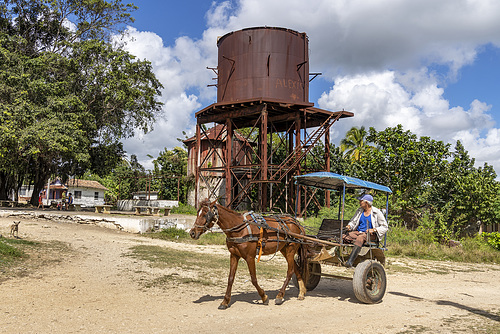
<point x="369" y="282"/>
<point x="314" y="276"/>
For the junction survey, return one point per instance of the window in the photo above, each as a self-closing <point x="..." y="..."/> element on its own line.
<point x="78" y="194"/>
<point x="96" y="195"/>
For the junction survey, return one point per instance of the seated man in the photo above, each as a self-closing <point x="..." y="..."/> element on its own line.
<point x="368" y="221"/>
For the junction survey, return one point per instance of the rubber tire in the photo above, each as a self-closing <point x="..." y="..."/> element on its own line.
<point x="313" y="280"/>
<point x="365" y="289"/>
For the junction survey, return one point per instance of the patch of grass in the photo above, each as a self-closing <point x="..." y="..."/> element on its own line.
<point x="162" y="257"/>
<point x="209" y="266"/>
<point x="415" y="329"/>
<point x="422" y="244"/>
<point x="400" y="269"/>
<point x="11" y="250"/>
<point x="176" y="234"/>
<point x="212" y="238"/>
<point x="20" y="257"/>
<point x="175" y="278"/>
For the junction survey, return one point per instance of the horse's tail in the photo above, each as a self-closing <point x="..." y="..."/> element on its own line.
<point x="302" y="262"/>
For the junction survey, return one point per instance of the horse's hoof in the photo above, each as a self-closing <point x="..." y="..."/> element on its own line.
<point x="223" y="307"/>
<point x="266" y="301"/>
<point x="278" y="301"/>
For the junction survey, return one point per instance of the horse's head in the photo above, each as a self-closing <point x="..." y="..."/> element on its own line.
<point x="207" y="216"/>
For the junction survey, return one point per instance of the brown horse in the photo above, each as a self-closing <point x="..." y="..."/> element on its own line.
<point x="244" y="239"/>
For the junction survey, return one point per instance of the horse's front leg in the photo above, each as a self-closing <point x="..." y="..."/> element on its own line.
<point x="232" y="273"/>
<point x="253" y="276"/>
<point x="289" y="253"/>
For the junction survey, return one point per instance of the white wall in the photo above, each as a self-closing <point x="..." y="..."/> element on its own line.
<point x="128" y="204"/>
<point x="87" y="196"/>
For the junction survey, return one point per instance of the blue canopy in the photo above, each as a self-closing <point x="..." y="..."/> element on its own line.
<point x="332" y="181"/>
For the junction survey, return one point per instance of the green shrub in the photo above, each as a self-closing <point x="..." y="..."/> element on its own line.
<point x="492" y="239"/>
<point x="422" y="243"/>
<point x="184" y="209"/>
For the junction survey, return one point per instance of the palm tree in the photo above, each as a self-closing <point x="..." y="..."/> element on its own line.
<point x="354" y="144"/>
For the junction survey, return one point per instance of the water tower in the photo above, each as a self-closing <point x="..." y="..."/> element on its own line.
<point x="263" y="98"/>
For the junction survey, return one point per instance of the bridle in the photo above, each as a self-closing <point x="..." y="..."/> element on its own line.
<point x="211" y="218"/>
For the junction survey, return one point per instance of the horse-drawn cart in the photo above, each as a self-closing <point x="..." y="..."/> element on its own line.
<point x="250" y="235"/>
<point x="327" y="247"/>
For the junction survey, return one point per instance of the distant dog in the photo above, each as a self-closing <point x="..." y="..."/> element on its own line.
<point x="14" y="229"/>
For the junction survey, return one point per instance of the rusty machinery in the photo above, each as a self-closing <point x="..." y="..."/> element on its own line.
<point x="262" y="118"/>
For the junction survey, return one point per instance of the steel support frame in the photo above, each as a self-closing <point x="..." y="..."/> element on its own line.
<point x="266" y="177"/>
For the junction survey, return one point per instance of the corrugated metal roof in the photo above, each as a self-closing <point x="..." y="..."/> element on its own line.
<point x="333" y="181"/>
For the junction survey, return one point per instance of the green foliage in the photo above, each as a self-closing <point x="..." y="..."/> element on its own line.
<point x="421" y="244"/>
<point x="402" y="236"/>
<point x="67" y="96"/>
<point x="493" y="239"/>
<point x="171" y="168"/>
<point x="184" y="209"/>
<point x="355" y="145"/>
<point x="407" y="164"/>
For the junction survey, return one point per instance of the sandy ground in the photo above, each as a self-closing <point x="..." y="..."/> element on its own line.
<point x="95" y="289"/>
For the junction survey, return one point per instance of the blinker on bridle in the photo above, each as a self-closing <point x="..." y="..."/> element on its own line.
<point x="211" y="218"/>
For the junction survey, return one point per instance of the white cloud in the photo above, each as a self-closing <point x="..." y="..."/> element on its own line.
<point x="375" y="53"/>
<point x="177" y="117"/>
<point x="354" y="36"/>
<point x="181" y="68"/>
<point x="378" y="100"/>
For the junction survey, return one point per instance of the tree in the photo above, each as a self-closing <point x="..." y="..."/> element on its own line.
<point x="407" y="164"/>
<point x="463" y="194"/>
<point x="67" y="94"/>
<point x="171" y="167"/>
<point x="355" y="145"/>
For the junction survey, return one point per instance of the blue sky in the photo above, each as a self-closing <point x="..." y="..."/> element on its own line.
<point x="432" y="66"/>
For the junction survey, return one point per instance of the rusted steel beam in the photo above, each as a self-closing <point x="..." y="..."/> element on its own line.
<point x="223" y="115"/>
<point x="229" y="159"/>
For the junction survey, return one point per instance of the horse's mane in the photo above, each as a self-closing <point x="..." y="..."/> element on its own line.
<point x="230" y="210"/>
<point x="206" y="202"/>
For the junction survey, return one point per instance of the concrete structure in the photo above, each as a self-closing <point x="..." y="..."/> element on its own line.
<point x="153" y="195"/>
<point x="121" y="222"/>
<point x="128" y="204"/>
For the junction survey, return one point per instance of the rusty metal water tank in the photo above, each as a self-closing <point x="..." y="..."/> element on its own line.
<point x="263" y="63"/>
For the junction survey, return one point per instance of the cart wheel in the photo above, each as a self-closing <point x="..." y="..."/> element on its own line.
<point x="313" y="279"/>
<point x="369" y="282"/>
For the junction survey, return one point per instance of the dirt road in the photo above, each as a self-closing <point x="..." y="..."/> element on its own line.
<point x="95" y="289"/>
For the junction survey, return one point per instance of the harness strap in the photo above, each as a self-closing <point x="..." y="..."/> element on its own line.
<point x="246" y="238"/>
<point x="259" y="243"/>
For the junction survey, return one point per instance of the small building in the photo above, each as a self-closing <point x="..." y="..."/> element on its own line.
<point x="86" y="192"/>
